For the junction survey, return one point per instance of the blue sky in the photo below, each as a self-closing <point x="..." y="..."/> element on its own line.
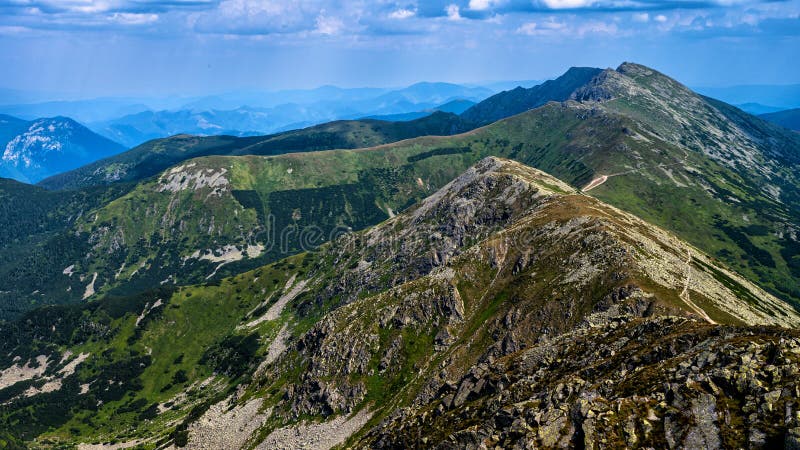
<point x="186" y="47"/>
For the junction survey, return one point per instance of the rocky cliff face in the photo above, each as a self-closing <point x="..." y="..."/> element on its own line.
<point x="661" y="382"/>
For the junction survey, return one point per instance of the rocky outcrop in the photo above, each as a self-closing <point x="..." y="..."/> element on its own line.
<point x="663" y="382"/>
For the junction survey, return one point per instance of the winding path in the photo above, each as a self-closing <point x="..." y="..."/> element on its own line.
<point x="684" y="295"/>
<point x="603" y="178"/>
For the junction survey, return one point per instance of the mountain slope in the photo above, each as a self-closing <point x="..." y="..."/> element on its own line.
<point x="45" y="147"/>
<point x="789" y="118"/>
<point x="496" y="266"/>
<point x="509" y="103"/>
<point x="628" y="383"/>
<point x="35" y="241"/>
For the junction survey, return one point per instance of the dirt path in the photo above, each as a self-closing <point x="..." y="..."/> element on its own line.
<point x="684" y="295"/>
<point x="594" y="183"/>
<point x="603" y="178"/>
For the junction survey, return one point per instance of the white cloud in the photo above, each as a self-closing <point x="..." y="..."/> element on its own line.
<point x="252" y="17"/>
<point x="133" y="19"/>
<point x="552" y="27"/>
<point x="328" y="25"/>
<point x="482" y="5"/>
<point x="13" y="30"/>
<point x="594" y="28"/>
<point x="660" y="18"/>
<point x="641" y="17"/>
<point x="401" y="14"/>
<point x="548" y="27"/>
<point x="565" y="4"/>
<point x="453" y="12"/>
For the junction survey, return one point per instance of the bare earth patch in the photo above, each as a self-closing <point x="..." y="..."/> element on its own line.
<point x="221" y="428"/>
<point x="316" y="436"/>
<point x="17" y="373"/>
<point x="275" y="310"/>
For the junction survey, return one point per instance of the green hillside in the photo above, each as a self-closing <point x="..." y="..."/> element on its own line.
<point x="154" y="156"/>
<point x="373" y="325"/>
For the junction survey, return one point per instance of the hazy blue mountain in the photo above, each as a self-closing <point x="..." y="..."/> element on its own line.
<point x="436" y="93"/>
<point x="456" y="106"/>
<point x="81" y="110"/>
<point x="297" y="109"/>
<point x="789" y="118"/>
<point x="500" y="86"/>
<point x="32" y="151"/>
<point x="10" y="126"/>
<point x="758" y="108"/>
<point x="134" y="129"/>
<point x="453" y="106"/>
<point x="779" y="96"/>
<point x="267" y="99"/>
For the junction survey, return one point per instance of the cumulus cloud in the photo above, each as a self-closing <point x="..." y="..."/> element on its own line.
<point x="133" y="18"/>
<point x="453" y="12"/>
<point x="402" y="13"/>
<point x="567" y="4"/>
<point x="305" y="18"/>
<point x="545" y="28"/>
<point x="481" y="5"/>
<point x="328" y="25"/>
<point x="261" y="17"/>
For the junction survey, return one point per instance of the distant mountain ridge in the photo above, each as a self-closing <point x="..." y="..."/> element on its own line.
<point x="454" y="106"/>
<point x="33" y="150"/>
<point x="789" y="118"/>
<point x="518" y="100"/>
<point x="339" y="134"/>
<point x="259" y="116"/>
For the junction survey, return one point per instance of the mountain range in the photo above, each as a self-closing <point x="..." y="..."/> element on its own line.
<point x="132" y="121"/>
<point x="607" y="259"/>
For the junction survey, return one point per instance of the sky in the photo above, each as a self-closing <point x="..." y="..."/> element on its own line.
<point x="89" y="48"/>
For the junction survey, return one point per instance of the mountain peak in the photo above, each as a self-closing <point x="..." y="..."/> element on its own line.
<point x="489" y="171"/>
<point x="630" y="68"/>
<point x="608" y="84"/>
<point x="39" y="148"/>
